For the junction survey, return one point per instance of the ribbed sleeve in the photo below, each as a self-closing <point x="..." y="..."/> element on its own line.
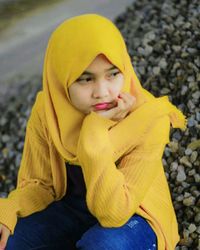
<point x="114" y="194"/>
<point x="34" y="189"/>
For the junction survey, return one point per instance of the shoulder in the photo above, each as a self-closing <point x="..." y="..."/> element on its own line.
<point x="37" y="119"/>
<point x="38" y="106"/>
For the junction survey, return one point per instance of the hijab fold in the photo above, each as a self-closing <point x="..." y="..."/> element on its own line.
<point x="72" y="47"/>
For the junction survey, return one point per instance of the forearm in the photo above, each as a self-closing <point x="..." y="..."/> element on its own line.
<point x="108" y="195"/>
<point x="113" y="195"/>
<point x="22" y="202"/>
<point x="34" y="189"/>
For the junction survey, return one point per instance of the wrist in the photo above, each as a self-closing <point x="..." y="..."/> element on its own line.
<point x="100" y="121"/>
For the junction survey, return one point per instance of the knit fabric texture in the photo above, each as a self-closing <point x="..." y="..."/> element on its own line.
<point x="57" y="132"/>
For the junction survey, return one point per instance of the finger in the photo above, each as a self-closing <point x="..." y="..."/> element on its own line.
<point x="121" y="111"/>
<point x="125" y="106"/>
<point x="4" y="238"/>
<point x="128" y="98"/>
<point x="121" y="105"/>
<point x="124" y="112"/>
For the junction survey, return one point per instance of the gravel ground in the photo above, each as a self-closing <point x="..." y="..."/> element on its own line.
<point x="163" y="38"/>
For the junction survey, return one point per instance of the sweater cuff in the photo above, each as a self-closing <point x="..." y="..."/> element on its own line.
<point x="8" y="213"/>
<point x="100" y="120"/>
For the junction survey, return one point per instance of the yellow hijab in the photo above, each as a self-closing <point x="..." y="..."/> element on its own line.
<point x="72" y="47"/>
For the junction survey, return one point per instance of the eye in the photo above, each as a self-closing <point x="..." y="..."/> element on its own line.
<point x="115" y="73"/>
<point x="84" y="80"/>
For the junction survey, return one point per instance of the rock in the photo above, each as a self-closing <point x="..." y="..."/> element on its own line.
<point x="198" y="116"/>
<point x="5" y="138"/>
<point x="173" y="146"/>
<point x="184" y="90"/>
<point x="179" y="198"/>
<point x="188" y="151"/>
<point x="189" y="201"/>
<point x="194" y="145"/>
<point x="147" y="50"/>
<point x="3" y="194"/>
<point x="192" y="228"/>
<point x="193" y="156"/>
<point x="176" y="48"/>
<point x="197" y="218"/>
<point x="174" y="166"/>
<point x="163" y="63"/>
<point x="191" y="122"/>
<point x="156" y="70"/>
<point x="197" y="178"/>
<point x="3" y="121"/>
<point x="165" y="91"/>
<point x="181" y="176"/>
<point x="184" y="160"/>
<point x="191" y="172"/>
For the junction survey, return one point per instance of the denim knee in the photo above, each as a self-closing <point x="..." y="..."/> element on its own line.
<point x="98" y="238"/>
<point x="16" y="243"/>
<point x="136" y="234"/>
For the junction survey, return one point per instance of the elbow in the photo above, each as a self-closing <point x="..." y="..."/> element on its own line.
<point x="115" y="216"/>
<point x="111" y="221"/>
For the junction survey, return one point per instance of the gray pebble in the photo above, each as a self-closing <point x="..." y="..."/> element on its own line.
<point x="181" y="176"/>
<point x="163" y="63"/>
<point x="191" y="122"/>
<point x="188" y="151"/>
<point x="193" y="156"/>
<point x="197" y="178"/>
<point x="156" y="70"/>
<point x="192" y="228"/>
<point x="189" y="201"/>
<point x="196" y="95"/>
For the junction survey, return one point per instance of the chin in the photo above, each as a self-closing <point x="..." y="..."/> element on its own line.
<point x="103" y="111"/>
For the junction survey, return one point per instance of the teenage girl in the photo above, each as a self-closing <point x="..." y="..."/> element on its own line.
<point x="91" y="175"/>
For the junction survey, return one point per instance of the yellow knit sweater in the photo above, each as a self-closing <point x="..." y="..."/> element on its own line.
<point x="57" y="132"/>
<point x="114" y="193"/>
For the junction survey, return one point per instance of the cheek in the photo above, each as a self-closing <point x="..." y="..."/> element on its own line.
<point x="117" y="86"/>
<point x="83" y="97"/>
<point x="77" y="94"/>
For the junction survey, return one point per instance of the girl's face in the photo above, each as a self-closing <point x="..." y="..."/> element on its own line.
<point x="100" y="83"/>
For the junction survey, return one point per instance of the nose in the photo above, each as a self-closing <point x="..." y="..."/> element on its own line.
<point x="101" y="89"/>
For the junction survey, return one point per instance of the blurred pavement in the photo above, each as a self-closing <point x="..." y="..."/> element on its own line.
<point x="22" y="46"/>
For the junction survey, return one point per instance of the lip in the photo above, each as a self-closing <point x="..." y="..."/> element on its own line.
<point x="102" y="106"/>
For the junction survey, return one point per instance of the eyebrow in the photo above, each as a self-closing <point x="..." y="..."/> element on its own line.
<point x="90" y="73"/>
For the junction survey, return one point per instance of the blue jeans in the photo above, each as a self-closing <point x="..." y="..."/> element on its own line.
<point x="67" y="225"/>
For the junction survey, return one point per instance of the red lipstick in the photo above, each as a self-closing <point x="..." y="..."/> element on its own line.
<point x="101" y="106"/>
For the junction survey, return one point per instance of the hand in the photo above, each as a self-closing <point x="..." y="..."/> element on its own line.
<point x="4" y="233"/>
<point x="123" y="105"/>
